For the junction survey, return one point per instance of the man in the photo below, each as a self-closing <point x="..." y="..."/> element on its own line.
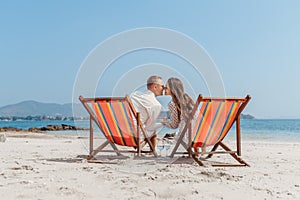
<point x="147" y="105"/>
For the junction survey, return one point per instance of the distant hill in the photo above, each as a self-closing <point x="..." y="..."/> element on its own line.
<point x="247" y="116"/>
<point x="34" y="108"/>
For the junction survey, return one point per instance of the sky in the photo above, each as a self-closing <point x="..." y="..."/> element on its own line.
<point x="254" y="45"/>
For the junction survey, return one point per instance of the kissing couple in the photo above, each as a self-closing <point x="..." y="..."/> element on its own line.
<point x="180" y="106"/>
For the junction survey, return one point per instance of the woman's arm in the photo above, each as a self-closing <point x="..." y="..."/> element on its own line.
<point x="174" y="121"/>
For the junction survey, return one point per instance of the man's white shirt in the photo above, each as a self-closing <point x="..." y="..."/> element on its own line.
<point x="149" y="108"/>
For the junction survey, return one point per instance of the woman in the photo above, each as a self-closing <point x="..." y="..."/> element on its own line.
<point x="180" y="106"/>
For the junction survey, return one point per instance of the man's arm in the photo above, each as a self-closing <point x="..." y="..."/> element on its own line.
<point x="153" y="112"/>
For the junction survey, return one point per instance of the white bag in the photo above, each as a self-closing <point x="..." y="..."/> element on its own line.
<point x="2" y="137"/>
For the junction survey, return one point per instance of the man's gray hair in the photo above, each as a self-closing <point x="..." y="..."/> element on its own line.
<point x="155" y="80"/>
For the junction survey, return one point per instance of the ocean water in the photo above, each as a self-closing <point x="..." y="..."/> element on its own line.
<point x="266" y="129"/>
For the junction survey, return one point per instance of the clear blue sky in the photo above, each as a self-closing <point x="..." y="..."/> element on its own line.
<point x="255" y="45"/>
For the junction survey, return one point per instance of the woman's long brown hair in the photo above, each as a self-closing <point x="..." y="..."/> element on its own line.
<point x="184" y="103"/>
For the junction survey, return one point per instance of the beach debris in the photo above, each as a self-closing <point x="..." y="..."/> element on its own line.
<point x="169" y="136"/>
<point x="23" y="167"/>
<point x="2" y="137"/>
<point x="6" y="129"/>
<point x="152" y="178"/>
<point x="50" y="127"/>
<point x="57" y="128"/>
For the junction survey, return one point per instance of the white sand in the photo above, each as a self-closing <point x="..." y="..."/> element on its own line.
<point x="37" y="166"/>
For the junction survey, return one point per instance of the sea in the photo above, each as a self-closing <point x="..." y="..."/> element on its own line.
<point x="254" y="129"/>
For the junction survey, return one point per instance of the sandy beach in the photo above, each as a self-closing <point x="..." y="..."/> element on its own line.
<point x="42" y="166"/>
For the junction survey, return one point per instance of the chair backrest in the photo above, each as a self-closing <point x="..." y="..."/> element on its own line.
<point x="214" y="119"/>
<point x="116" y="118"/>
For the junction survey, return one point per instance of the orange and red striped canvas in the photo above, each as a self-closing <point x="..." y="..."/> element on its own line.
<point x="214" y="120"/>
<point x="116" y="121"/>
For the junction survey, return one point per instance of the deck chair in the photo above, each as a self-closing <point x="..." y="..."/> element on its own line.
<point x="119" y="122"/>
<point x="212" y="120"/>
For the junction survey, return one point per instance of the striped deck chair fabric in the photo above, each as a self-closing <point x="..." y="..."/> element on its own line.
<point x="215" y="118"/>
<point x="118" y="121"/>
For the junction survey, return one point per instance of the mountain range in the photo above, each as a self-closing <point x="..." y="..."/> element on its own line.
<point x="34" y="108"/>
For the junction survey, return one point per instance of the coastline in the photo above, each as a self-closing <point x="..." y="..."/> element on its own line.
<point x="47" y="166"/>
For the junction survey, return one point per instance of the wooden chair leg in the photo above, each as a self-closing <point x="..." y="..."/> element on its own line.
<point x="234" y="155"/>
<point x="102" y="146"/>
<point x="197" y="160"/>
<point x="213" y="149"/>
<point x="179" y="141"/>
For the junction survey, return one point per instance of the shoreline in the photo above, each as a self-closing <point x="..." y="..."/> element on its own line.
<point x="85" y="133"/>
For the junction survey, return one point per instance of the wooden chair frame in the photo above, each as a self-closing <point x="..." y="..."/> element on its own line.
<point x="187" y="129"/>
<point x="94" y="119"/>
